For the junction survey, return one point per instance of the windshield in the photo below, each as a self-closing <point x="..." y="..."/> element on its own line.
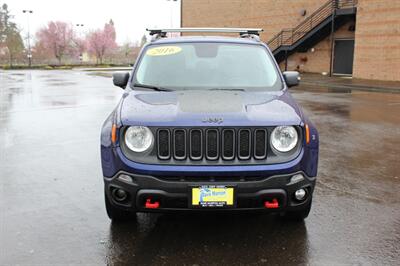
<point x="208" y="66"/>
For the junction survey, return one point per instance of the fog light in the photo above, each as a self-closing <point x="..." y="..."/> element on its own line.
<point x="119" y="194"/>
<point x="125" y="178"/>
<point x="300" y="194"/>
<point x="296" y="178"/>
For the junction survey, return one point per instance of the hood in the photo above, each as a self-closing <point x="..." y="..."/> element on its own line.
<point x="209" y="108"/>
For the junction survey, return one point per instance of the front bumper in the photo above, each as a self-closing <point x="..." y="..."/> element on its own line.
<point x="174" y="195"/>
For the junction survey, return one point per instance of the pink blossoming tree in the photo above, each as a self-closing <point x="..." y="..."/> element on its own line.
<point x="56" y="37"/>
<point x="102" y="41"/>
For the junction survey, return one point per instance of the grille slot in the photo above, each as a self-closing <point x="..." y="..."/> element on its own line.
<point x="228" y="144"/>
<point x="196" y="144"/>
<point x="260" y="144"/>
<point x="244" y="141"/>
<point x="179" y="144"/>
<point x="212" y="143"/>
<point x="163" y="144"/>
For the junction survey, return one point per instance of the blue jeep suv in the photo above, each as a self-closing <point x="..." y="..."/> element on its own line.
<point x="208" y="123"/>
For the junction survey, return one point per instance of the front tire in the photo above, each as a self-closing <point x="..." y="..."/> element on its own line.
<point x="116" y="214"/>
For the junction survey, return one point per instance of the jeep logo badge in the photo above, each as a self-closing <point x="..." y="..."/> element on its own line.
<point x="216" y="120"/>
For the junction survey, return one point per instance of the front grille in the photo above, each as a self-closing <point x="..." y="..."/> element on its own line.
<point x="212" y="144"/>
<point x="212" y="147"/>
<point x="196" y="144"/>
<point x="179" y="146"/>
<point x="244" y="144"/>
<point x="228" y="144"/>
<point x="260" y="142"/>
<point x="164" y="146"/>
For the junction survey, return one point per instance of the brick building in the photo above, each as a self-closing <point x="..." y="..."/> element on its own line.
<point x="350" y="37"/>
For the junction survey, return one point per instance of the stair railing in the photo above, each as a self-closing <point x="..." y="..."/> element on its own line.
<point x="288" y="37"/>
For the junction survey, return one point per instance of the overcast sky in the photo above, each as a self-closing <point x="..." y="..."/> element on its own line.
<point x="131" y="18"/>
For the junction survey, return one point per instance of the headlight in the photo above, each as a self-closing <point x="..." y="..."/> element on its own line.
<point x="284" y="138"/>
<point x="138" y="138"/>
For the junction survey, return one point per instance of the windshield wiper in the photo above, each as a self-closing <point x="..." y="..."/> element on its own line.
<point x="156" y="88"/>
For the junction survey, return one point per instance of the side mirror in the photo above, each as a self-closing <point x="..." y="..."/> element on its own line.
<point x="292" y="78"/>
<point x="120" y="79"/>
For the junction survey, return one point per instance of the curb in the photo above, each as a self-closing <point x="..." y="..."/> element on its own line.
<point x="351" y="87"/>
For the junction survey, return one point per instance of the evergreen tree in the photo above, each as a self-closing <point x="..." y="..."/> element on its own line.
<point x="10" y="36"/>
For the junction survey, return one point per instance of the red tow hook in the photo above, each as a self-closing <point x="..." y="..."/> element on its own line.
<point x="150" y="205"/>
<point x="272" y="205"/>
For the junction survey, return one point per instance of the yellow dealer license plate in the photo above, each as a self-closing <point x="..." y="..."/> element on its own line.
<point x="213" y="196"/>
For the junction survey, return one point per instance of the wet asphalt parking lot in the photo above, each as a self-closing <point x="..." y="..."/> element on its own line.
<point x="52" y="206"/>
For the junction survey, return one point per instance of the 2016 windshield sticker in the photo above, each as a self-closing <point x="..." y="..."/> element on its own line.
<point x="164" y="50"/>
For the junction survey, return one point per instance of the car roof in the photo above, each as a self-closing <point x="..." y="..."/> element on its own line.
<point x="226" y="39"/>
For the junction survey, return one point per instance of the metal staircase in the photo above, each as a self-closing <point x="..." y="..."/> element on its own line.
<point x="317" y="26"/>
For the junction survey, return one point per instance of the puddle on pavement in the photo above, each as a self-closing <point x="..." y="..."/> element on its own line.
<point x="63" y="83"/>
<point x="339" y="90"/>
<point x="46" y="76"/>
<point x="16" y="90"/>
<point x="59" y="103"/>
<point x="54" y="80"/>
<point x="314" y="88"/>
<point x="331" y="109"/>
<point x="101" y="74"/>
<point x="17" y="74"/>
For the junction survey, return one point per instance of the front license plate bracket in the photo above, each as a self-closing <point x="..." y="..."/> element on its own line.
<point x="212" y="196"/>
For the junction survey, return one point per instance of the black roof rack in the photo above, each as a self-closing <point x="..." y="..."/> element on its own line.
<point x="243" y="32"/>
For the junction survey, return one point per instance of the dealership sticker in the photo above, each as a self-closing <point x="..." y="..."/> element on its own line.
<point x="163" y="50"/>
